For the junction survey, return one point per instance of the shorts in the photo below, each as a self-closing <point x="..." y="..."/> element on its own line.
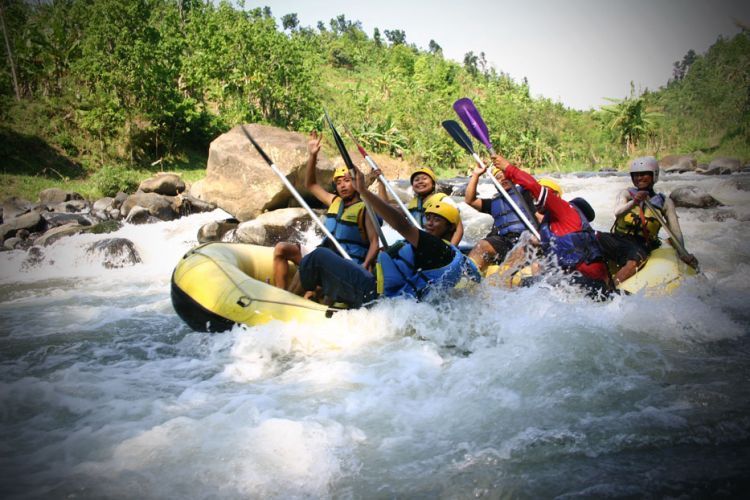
<point x="620" y="248"/>
<point x="501" y="244"/>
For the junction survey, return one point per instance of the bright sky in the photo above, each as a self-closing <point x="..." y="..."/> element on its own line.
<point x="577" y="52"/>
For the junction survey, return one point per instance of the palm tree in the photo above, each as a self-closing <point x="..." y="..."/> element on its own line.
<point x="630" y="121"/>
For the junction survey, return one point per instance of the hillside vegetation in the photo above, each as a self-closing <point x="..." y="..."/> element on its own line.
<point x="106" y="91"/>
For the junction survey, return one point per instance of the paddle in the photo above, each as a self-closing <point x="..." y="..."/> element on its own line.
<point x="353" y="172"/>
<point x="675" y="242"/>
<point x="382" y="179"/>
<point x="469" y="115"/>
<point x="299" y="198"/>
<point x="458" y="135"/>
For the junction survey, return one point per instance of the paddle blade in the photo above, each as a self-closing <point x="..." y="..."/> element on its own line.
<point x="339" y="143"/>
<point x="458" y="134"/>
<point x="257" y="147"/>
<point x="469" y="114"/>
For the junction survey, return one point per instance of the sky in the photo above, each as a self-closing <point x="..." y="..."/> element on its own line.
<point x="578" y="52"/>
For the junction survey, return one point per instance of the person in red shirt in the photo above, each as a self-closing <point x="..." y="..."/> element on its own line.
<point x="565" y="231"/>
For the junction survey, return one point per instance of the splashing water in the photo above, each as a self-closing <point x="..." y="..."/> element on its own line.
<point x="530" y="392"/>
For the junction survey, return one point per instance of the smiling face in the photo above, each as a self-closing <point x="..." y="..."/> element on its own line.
<point x="344" y="187"/>
<point x="642" y="180"/>
<point x="438" y="226"/>
<point x="422" y="184"/>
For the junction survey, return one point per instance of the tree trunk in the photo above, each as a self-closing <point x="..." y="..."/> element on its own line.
<point x="10" y="55"/>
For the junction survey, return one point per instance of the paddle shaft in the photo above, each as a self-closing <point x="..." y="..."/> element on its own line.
<point x="353" y="172"/>
<point x="298" y="197"/>
<point x="507" y="197"/>
<point x="675" y="242"/>
<point x="391" y="191"/>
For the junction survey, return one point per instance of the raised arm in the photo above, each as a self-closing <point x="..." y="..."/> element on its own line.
<point x="389" y="213"/>
<point x="311" y="183"/>
<point x="471" y="189"/>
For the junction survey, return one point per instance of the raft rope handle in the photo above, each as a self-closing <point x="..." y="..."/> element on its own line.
<point x="237" y="285"/>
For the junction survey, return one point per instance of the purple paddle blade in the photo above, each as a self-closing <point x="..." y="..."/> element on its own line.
<point x="468" y="114"/>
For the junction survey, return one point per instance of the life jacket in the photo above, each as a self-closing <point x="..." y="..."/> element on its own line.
<point x="506" y="219"/>
<point x="573" y="248"/>
<point x="396" y="274"/>
<point x="416" y="205"/>
<point x="347" y="225"/>
<point x="640" y="221"/>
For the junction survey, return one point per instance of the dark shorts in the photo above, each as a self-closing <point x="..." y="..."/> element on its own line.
<point x="342" y="280"/>
<point x="501" y="244"/>
<point x="620" y="248"/>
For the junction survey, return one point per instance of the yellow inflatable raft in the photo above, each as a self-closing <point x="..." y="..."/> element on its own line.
<point x="217" y="285"/>
<point x="662" y="274"/>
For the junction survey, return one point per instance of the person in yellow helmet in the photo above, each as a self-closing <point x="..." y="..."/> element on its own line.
<point x="635" y="232"/>
<point x="345" y="219"/>
<point x="424" y="183"/>
<point x="414" y="267"/>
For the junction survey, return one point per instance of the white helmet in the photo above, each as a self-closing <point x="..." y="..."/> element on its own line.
<point x="645" y="164"/>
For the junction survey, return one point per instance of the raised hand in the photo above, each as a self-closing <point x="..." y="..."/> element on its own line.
<point x="313" y="145"/>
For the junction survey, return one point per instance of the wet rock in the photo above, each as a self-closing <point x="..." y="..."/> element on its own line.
<point x="120" y="198"/>
<point x="115" y="253"/>
<point x="192" y="205"/>
<point x="240" y="182"/>
<point x="56" y="233"/>
<point x="72" y="206"/>
<point x="140" y="215"/>
<point x="693" y="197"/>
<point x="107" y="226"/>
<point x="449" y="186"/>
<point x="114" y="213"/>
<point x="271" y="227"/>
<point x="54" y="196"/>
<point x="15" y="206"/>
<point x="31" y="221"/>
<point x="12" y="243"/>
<point x="159" y="206"/>
<point x="677" y="164"/>
<point x="102" y="206"/>
<point x="726" y="165"/>
<point x="165" y="183"/>
<point x="34" y="257"/>
<point x="60" y="219"/>
<point x="216" y="230"/>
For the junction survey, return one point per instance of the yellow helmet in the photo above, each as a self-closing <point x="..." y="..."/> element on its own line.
<point x="549" y="183"/>
<point x="340" y="172"/>
<point x="495" y="170"/>
<point x="444" y="210"/>
<point x="424" y="170"/>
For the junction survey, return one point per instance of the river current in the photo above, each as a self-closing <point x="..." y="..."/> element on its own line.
<point x="526" y="393"/>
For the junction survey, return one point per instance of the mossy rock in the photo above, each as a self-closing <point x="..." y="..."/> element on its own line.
<point x="104" y="227"/>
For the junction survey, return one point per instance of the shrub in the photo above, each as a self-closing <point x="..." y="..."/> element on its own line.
<point x="112" y="178"/>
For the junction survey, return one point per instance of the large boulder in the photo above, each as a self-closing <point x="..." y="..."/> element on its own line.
<point x="53" y="196"/>
<point x="693" y="197"/>
<point x="163" y="183"/>
<point x="215" y="230"/>
<point x="115" y="252"/>
<point x="271" y="227"/>
<point x="241" y="183"/>
<point x="728" y="165"/>
<point x="678" y="163"/>
<point x="31" y="221"/>
<point x="14" y="206"/>
<point x="159" y="206"/>
<point x="56" y="233"/>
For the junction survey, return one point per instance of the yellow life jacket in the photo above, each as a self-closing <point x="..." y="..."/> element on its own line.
<point x="417" y="205"/>
<point x="347" y="224"/>
<point x="640" y="220"/>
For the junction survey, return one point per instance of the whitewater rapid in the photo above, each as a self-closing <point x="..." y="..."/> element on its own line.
<point x="534" y="392"/>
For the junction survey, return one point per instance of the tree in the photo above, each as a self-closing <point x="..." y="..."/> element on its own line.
<point x="396" y="37"/>
<point x="434" y="48"/>
<point x="470" y="63"/>
<point x="376" y="37"/>
<point x="290" y="21"/>
<point x="629" y="120"/>
<point x="680" y="68"/>
<point x="10" y="55"/>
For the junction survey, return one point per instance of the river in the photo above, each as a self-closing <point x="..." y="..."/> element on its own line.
<point x="528" y="393"/>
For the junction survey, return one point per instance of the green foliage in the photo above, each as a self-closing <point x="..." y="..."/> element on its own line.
<point x="629" y="121"/>
<point x="110" y="179"/>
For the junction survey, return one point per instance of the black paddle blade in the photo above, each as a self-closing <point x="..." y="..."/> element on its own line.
<point x="257" y="147"/>
<point x="340" y="143"/>
<point x="458" y="134"/>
